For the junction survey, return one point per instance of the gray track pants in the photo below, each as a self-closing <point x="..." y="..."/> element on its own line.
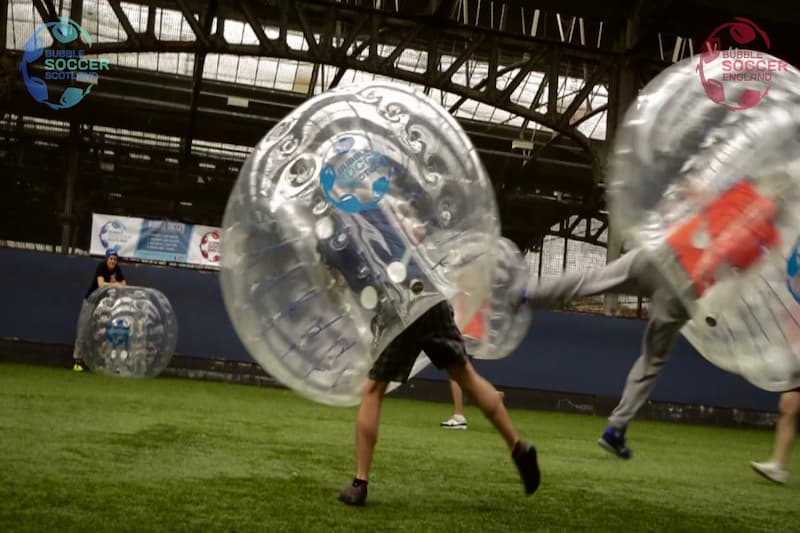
<point x="633" y="273"/>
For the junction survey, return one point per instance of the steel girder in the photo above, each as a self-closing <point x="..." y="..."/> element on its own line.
<point x="112" y="178"/>
<point x="584" y="228"/>
<point x="46" y="10"/>
<point x="350" y="36"/>
<point x="207" y="18"/>
<point x="7" y="75"/>
<point x="3" y="26"/>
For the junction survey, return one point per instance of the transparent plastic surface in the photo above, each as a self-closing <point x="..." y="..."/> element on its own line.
<point x="355" y="214"/>
<point x="714" y="192"/>
<point x="500" y="324"/>
<point x="127" y="331"/>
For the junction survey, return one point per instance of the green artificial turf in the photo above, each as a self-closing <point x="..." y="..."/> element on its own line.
<point x="79" y="452"/>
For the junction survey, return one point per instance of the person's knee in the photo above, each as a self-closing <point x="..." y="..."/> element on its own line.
<point x="461" y="373"/>
<point x="374" y="389"/>
<point x="468" y="379"/>
<point x="789" y="404"/>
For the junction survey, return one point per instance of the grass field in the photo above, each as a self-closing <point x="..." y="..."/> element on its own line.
<point x="86" y="453"/>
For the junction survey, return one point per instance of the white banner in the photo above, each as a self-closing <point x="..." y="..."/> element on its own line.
<point x="119" y="233"/>
<point x="159" y="240"/>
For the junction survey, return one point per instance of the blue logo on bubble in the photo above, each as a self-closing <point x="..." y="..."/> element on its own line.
<point x="118" y="333"/>
<point x="349" y="170"/>
<point x="793" y="271"/>
<point x="61" y="66"/>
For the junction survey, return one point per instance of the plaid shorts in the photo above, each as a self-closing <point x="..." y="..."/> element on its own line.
<point x="434" y="333"/>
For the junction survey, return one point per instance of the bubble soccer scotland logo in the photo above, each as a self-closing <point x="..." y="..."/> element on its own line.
<point x="112" y="235"/>
<point x="61" y="66"/>
<point x="211" y="246"/>
<point x="355" y="177"/>
<point x="745" y="73"/>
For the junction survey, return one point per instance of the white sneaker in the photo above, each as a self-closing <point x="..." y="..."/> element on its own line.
<point x="772" y="471"/>
<point x="455" y="422"/>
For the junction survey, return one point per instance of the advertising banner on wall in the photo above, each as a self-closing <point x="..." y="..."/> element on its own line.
<point x="205" y="246"/>
<point x="156" y="240"/>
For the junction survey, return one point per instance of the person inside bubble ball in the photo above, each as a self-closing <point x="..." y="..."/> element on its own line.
<point x="776" y="469"/>
<point x="731" y="232"/>
<point x="436" y="334"/>
<point x="108" y="272"/>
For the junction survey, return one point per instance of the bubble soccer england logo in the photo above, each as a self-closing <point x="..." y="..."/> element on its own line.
<point x="65" y="65"/>
<point x="349" y="164"/>
<point x="744" y="74"/>
<point x="211" y="246"/>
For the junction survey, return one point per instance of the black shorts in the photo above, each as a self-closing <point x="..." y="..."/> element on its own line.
<point x="434" y="333"/>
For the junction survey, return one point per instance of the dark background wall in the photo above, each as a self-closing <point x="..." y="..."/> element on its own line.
<point x="563" y="352"/>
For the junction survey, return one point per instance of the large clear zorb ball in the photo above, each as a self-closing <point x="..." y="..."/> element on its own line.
<point x="127" y="331"/>
<point x="713" y="190"/>
<point x="501" y="323"/>
<point x="355" y="214"/>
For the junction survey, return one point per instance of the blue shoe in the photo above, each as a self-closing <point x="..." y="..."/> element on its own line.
<point x="613" y="440"/>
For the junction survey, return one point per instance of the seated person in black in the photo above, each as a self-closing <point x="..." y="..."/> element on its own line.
<point x="108" y="272"/>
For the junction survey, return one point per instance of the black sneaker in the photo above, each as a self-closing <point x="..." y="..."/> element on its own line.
<point x="355" y="494"/>
<point x="613" y="440"/>
<point x="524" y="456"/>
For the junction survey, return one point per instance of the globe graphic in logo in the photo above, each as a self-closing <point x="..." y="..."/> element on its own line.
<point x="355" y="177"/>
<point x="112" y="235"/>
<point x="211" y="246"/>
<point x="741" y="32"/>
<point x="65" y="31"/>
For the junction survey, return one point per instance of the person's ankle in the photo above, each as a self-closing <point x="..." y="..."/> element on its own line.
<point x="519" y="447"/>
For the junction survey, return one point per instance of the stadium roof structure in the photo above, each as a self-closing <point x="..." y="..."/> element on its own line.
<point x="194" y="84"/>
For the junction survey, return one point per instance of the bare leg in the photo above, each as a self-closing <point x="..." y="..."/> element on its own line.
<point x="786" y="428"/>
<point x="369" y="417"/>
<point x="775" y="469"/>
<point x="458" y="398"/>
<point x="490" y="402"/>
<point x="486" y="396"/>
